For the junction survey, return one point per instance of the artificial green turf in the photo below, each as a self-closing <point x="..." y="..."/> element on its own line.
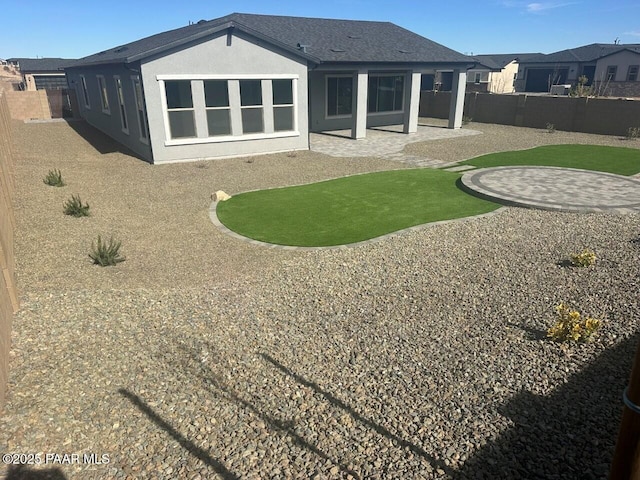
<point x="349" y="209"/>
<point x="618" y="160"/>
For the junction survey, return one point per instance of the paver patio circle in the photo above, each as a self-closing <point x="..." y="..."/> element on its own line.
<point x="555" y="188"/>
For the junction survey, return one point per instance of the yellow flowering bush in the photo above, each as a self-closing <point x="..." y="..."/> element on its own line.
<point x="571" y="326"/>
<point x="586" y="258"/>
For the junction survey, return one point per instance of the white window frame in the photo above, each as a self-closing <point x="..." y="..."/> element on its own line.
<point x="404" y="86"/>
<point x="140" y="103"/>
<point x="124" y="120"/>
<point x="637" y="73"/>
<point x="611" y="76"/>
<point x="234" y="105"/>
<point x="326" y="96"/>
<point x="85" y="92"/>
<point x="104" y="94"/>
<point x="286" y="105"/>
<point x="227" y="108"/>
<point x="168" y="110"/>
<point x="254" y="107"/>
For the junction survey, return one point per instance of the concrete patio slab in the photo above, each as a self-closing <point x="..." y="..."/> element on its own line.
<point x="385" y="142"/>
<point x="554" y="188"/>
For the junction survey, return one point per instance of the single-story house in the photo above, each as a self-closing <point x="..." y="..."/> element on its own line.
<point x="42" y="73"/>
<point x="246" y="84"/>
<point x="496" y="73"/>
<point x="613" y="69"/>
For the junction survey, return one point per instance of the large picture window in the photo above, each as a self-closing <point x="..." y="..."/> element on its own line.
<point x="386" y="93"/>
<point x="216" y="94"/>
<point x="251" y="106"/>
<point x="180" y="109"/>
<point x="339" y="96"/>
<point x="212" y="108"/>
<point x="282" y="105"/>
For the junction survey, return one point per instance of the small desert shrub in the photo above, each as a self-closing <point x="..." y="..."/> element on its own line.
<point x="571" y="326"/>
<point x="54" y="178"/>
<point x="106" y="254"/>
<point x="586" y="258"/>
<point x="551" y="128"/>
<point x="75" y="208"/>
<point x="466" y="119"/>
<point x="633" y="133"/>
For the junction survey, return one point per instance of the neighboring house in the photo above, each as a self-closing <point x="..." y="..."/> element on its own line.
<point x="42" y="73"/>
<point x="247" y="84"/>
<point x="612" y="69"/>
<point x="496" y="73"/>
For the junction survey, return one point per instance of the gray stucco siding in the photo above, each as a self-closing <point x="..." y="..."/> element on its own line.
<point x="110" y="123"/>
<point x="217" y="58"/>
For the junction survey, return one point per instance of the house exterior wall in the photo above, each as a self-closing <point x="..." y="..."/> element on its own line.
<point x="110" y="123"/>
<point x="320" y="121"/>
<point x="619" y="86"/>
<point x="231" y="58"/>
<point x="503" y="81"/>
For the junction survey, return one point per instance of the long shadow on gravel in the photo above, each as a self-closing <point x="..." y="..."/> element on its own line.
<point x="358" y="417"/>
<point x="98" y="140"/>
<point x="567" y="435"/>
<point x="217" y="385"/>
<point x="185" y="443"/>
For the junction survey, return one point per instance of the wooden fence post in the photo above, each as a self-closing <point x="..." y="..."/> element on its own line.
<point x="626" y="458"/>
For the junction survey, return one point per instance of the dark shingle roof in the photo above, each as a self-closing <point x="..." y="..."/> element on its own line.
<point x="328" y="40"/>
<point x="34" y="65"/>
<point x="586" y="53"/>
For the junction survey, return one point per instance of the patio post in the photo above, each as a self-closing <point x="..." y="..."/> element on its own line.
<point x="457" y="98"/>
<point x="412" y="99"/>
<point x="359" y="126"/>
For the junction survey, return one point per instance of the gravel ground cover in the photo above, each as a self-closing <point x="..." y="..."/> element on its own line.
<point x="201" y="356"/>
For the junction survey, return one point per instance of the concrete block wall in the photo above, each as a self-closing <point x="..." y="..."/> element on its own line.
<point x="8" y="293"/>
<point x="604" y="116"/>
<point x="28" y="105"/>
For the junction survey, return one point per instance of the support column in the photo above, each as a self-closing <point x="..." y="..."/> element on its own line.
<point x="457" y="98"/>
<point x="359" y="116"/>
<point x="412" y="102"/>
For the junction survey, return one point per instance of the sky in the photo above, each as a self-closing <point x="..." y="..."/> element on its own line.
<point x="74" y="29"/>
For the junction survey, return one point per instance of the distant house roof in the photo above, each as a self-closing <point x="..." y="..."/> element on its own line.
<point x="500" y="60"/>
<point x="318" y="40"/>
<point x="35" y="65"/>
<point x="586" y="53"/>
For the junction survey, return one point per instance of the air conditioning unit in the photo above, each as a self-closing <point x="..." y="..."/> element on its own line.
<point x="560" y="89"/>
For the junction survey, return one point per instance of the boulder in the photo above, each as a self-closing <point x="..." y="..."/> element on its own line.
<point x="220" y="196"/>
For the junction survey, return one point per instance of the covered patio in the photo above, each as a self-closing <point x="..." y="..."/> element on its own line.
<point x="381" y="141"/>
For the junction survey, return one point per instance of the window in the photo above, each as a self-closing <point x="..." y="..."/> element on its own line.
<point x="386" y="93"/>
<point x="104" y="98"/>
<point x="478" y="77"/>
<point x="180" y="109"/>
<point x="611" y="73"/>
<point x="85" y="92"/>
<point x="251" y="106"/>
<point x="216" y="95"/>
<point x="339" y="96"/>
<point x="142" y="116"/>
<point x="212" y="108"/>
<point x="282" y="105"/>
<point x="632" y="73"/>
<point x="123" y="111"/>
